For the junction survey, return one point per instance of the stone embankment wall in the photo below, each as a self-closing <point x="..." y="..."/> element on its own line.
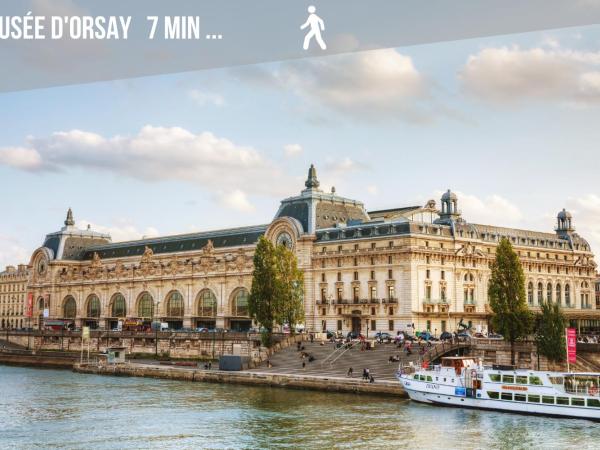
<point x="207" y="346"/>
<point x="494" y="351"/>
<point x="247" y="378"/>
<point x="16" y="358"/>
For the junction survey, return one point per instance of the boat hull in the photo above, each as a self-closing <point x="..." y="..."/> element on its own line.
<point x="441" y="399"/>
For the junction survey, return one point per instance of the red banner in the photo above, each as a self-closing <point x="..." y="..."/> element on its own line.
<point x="30" y="304"/>
<point x="571" y="345"/>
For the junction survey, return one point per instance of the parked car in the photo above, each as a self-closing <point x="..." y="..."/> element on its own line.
<point x="202" y="330"/>
<point x="495" y="336"/>
<point x="446" y="336"/>
<point x="352" y="335"/>
<point x="384" y="336"/>
<point x="479" y="335"/>
<point x="425" y="335"/>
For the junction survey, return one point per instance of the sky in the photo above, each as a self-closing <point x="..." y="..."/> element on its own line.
<point x="510" y="123"/>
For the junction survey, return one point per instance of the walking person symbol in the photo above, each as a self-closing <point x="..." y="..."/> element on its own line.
<point x="316" y="26"/>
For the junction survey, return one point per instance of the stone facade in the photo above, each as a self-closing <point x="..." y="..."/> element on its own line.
<point x="13" y="288"/>
<point x="423" y="266"/>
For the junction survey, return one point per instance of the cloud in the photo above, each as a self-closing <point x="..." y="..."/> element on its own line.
<point x="292" y="150"/>
<point x="373" y="190"/>
<point x="586" y="217"/>
<point x="155" y="154"/>
<point x="21" y="158"/>
<point x="12" y="252"/>
<point x="511" y="75"/>
<point x="123" y="230"/>
<point x="372" y="85"/>
<point x="236" y="200"/>
<point x="345" y="165"/>
<point x="205" y="98"/>
<point x="492" y="209"/>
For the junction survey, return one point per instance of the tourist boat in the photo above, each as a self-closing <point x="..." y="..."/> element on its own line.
<point x="463" y="382"/>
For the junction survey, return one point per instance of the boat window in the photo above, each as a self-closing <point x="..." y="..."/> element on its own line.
<point x="547" y="399"/>
<point x="437" y="378"/>
<point x="557" y="380"/>
<point x="492" y="394"/>
<point x="575" y="401"/>
<point x="429" y="378"/>
<point x="422" y="377"/>
<point x="520" y="398"/>
<point x="562" y="400"/>
<point x="537" y="381"/>
<point x="506" y="396"/>
<point x="593" y="403"/>
<point x="533" y="398"/>
<point x="416" y="377"/>
<point x="508" y="378"/>
<point x="495" y="377"/>
<point x="521" y="379"/>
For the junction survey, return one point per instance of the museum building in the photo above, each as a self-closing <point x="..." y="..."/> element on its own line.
<point x="407" y="268"/>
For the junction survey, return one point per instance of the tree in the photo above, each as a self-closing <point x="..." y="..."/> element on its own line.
<point x="263" y="293"/>
<point x="276" y="296"/>
<point x="550" y="332"/>
<point x="506" y="293"/>
<point x="290" y="288"/>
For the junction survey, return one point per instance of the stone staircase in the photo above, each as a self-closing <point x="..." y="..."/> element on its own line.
<point x="330" y="362"/>
<point x="584" y="365"/>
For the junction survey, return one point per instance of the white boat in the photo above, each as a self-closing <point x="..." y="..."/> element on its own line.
<point x="463" y="382"/>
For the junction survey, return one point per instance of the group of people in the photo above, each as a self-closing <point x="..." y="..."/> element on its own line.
<point x="588" y="339"/>
<point x="304" y="355"/>
<point x="366" y="374"/>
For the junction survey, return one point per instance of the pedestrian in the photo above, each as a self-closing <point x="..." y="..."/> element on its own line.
<point x="269" y="365"/>
<point x="371" y="379"/>
<point x="312" y="338"/>
<point x="364" y="374"/>
<point x="303" y="364"/>
<point x="350" y="373"/>
<point x="298" y="344"/>
<point x="209" y="365"/>
<point x="367" y="373"/>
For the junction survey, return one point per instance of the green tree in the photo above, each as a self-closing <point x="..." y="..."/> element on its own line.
<point x="506" y="293"/>
<point x="262" y="302"/>
<point x="550" y="332"/>
<point x="290" y="288"/>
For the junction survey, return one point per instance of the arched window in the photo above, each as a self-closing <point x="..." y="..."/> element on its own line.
<point x="558" y="293"/>
<point x="118" y="307"/>
<point x="40" y="304"/>
<point x="540" y="292"/>
<point x="549" y="293"/>
<point x="93" y="306"/>
<point x="530" y="293"/>
<point x="239" y="308"/>
<point x="207" y="303"/>
<point x="69" y="308"/>
<point x="146" y="306"/>
<point x="175" y="304"/>
<point x="567" y="295"/>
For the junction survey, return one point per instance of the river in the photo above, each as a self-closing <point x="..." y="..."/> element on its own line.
<point x="59" y="409"/>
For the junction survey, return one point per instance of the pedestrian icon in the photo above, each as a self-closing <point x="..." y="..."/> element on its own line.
<point x="316" y="26"/>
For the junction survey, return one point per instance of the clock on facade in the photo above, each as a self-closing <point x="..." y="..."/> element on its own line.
<point x="42" y="266"/>
<point x="284" y="239"/>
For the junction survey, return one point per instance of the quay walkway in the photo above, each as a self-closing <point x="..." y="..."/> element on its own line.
<point x="251" y="378"/>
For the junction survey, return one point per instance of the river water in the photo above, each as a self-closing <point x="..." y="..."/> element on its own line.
<point x="60" y="409"/>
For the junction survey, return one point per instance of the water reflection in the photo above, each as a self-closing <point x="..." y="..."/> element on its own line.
<point x="60" y="409"/>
